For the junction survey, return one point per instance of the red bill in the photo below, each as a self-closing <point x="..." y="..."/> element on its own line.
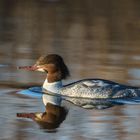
<point x="30" y="68"/>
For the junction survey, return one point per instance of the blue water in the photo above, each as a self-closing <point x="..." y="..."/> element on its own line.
<point x="114" y="123"/>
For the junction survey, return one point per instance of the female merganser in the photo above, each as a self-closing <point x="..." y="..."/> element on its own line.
<point x="87" y="93"/>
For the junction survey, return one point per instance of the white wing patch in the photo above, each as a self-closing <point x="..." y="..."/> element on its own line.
<point x="96" y="83"/>
<point x="89" y="83"/>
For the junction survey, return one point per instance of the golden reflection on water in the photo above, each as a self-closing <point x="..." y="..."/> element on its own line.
<point x="97" y="39"/>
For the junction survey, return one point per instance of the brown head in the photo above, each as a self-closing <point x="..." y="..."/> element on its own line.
<point x="53" y="64"/>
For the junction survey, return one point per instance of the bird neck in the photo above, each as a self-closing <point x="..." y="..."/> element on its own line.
<point x="53" y="86"/>
<point x="53" y="77"/>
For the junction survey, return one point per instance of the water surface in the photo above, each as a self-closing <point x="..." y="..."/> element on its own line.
<point x="97" y="39"/>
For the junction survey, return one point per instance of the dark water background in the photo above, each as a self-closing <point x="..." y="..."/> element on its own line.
<point x="96" y="38"/>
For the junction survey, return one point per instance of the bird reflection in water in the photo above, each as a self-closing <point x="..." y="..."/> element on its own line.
<point x="49" y="120"/>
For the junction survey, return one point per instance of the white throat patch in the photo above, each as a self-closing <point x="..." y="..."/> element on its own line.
<point x="52" y="87"/>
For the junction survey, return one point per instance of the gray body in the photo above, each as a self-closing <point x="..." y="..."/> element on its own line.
<point x="98" y="93"/>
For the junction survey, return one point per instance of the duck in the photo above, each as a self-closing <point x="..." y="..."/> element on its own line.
<point x="86" y="93"/>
